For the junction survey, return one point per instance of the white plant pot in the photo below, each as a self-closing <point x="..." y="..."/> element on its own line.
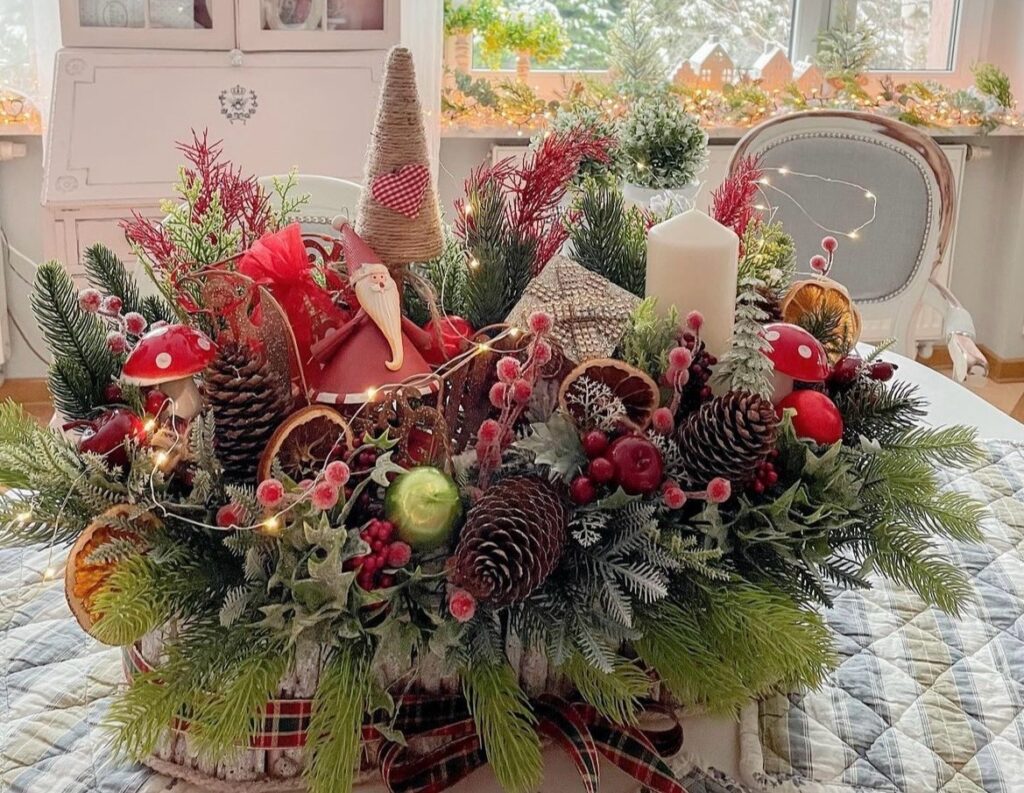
<point x="661" y="199"/>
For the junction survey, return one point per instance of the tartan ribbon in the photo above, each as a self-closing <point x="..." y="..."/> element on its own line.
<point x="444" y="721"/>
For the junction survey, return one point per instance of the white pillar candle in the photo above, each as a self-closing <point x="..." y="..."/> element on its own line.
<point x="691" y="264"/>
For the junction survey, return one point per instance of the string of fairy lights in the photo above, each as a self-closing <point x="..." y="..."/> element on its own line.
<point x="766" y="183"/>
<point x="272" y="524"/>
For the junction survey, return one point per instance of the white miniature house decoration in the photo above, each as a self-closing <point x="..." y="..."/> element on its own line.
<point x="712" y="65"/>
<point x="772" y="69"/>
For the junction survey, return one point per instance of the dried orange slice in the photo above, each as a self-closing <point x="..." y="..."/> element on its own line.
<point x="638" y="393"/>
<point x="85" y="575"/>
<point x="816" y="295"/>
<point x="306" y="441"/>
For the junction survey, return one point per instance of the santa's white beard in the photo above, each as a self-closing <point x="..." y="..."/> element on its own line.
<point x="384" y="308"/>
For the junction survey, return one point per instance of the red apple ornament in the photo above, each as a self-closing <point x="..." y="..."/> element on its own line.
<point x="456" y="334"/>
<point x="638" y="464"/>
<point x="107" y="434"/>
<point x="816" y="417"/>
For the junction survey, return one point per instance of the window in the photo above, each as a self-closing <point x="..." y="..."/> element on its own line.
<point x="905" y="35"/>
<point x="910" y="35"/>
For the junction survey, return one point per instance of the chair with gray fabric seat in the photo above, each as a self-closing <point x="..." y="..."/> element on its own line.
<point x="328" y="198"/>
<point x="825" y="171"/>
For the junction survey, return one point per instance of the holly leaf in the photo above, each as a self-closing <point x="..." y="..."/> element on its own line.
<point x="556" y="444"/>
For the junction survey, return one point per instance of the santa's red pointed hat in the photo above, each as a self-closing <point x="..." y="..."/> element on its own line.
<point x="357" y="253"/>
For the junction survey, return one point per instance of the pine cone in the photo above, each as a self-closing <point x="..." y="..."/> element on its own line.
<point x="727" y="437"/>
<point x="512" y="541"/>
<point x="770" y="304"/>
<point x="248" y="400"/>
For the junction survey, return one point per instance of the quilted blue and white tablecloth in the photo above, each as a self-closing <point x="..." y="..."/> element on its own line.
<point x="921" y="701"/>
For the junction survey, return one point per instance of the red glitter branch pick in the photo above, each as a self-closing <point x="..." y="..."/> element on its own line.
<point x="732" y="204"/>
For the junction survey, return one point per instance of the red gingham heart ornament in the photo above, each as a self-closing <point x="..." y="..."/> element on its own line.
<point x="402" y="190"/>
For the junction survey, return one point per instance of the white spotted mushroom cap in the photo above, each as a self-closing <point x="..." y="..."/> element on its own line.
<point x="166" y="353"/>
<point x="796" y="353"/>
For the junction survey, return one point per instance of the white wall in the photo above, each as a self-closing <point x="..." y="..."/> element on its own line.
<point x="21" y="216"/>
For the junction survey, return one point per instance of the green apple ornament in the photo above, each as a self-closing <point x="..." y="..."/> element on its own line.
<point x="424" y="505"/>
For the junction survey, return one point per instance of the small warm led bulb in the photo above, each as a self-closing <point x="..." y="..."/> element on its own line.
<point x="853" y="234"/>
<point x="49" y="573"/>
<point x="784" y="170"/>
<point x="160" y="458"/>
<point x="26" y="515"/>
<point x="150" y="425"/>
<point x="271" y="525"/>
<point x="482" y="348"/>
<point x="868" y="194"/>
<point x="370" y="394"/>
<point x="474" y="263"/>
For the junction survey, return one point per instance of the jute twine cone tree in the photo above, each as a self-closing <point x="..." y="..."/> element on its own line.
<point x="399" y="216"/>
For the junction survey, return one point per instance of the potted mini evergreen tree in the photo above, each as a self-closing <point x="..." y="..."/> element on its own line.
<point x="664" y="150"/>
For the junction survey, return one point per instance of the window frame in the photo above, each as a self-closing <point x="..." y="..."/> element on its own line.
<point x="973" y="17"/>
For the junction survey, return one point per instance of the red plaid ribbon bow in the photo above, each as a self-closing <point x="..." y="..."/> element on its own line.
<point x="576" y="727"/>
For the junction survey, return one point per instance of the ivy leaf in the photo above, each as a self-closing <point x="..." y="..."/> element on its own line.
<point x="556" y="444"/>
<point x="385" y="466"/>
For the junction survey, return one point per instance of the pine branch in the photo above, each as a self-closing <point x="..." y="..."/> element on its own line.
<point x="335" y="728"/>
<point x="83" y="363"/>
<point x="505" y="724"/>
<point x="879" y="411"/>
<point x="649" y="337"/>
<point x="909" y="558"/>
<point x="616" y="695"/>
<point x="746" y="367"/>
<point x="635" y="49"/>
<point x="107" y="273"/>
<point x="225" y="721"/>
<point x="952" y="447"/>
<point x="610" y="239"/>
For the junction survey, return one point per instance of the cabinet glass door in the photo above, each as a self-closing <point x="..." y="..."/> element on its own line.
<point x="171" y="24"/>
<point x="318" y="24"/>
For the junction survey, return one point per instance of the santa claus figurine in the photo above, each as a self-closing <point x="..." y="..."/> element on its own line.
<point x="378" y="347"/>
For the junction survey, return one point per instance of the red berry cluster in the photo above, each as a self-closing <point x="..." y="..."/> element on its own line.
<point x="376" y="569"/>
<point x="850" y="367"/>
<point x="631" y="462"/>
<point x="765" y="476"/>
<point x="697" y="389"/>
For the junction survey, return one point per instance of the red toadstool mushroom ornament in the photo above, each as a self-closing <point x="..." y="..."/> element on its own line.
<point x="796" y="356"/>
<point x="816" y="417"/>
<point x="169" y="356"/>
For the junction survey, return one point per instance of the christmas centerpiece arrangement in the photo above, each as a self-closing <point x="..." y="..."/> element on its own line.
<point x="404" y="501"/>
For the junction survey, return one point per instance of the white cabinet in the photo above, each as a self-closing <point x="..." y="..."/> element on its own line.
<point x="318" y="24"/>
<point x="157" y="24"/>
<point x="283" y="83"/>
<point x="224" y="24"/>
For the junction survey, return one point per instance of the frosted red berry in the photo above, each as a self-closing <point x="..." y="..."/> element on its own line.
<point x="337" y="473"/>
<point x="270" y="493"/>
<point x="231" y="516"/>
<point x="462" y="605"/>
<point x="399" y="554"/>
<point x="674" y="497"/>
<point x="497" y="394"/>
<point x="663" y="421"/>
<point x="111" y="305"/>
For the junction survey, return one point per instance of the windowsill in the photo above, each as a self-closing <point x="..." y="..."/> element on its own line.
<point x="715" y="134"/>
